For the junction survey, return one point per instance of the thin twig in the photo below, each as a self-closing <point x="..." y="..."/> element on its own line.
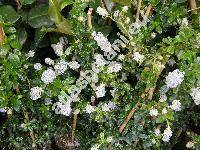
<point x="193" y="6"/>
<point x="1" y="35"/>
<point x="148" y="11"/>
<point x="194" y="9"/>
<point x="138" y="9"/>
<point x="89" y="18"/>
<point x="130" y="115"/>
<point x="27" y="120"/>
<point x="76" y="112"/>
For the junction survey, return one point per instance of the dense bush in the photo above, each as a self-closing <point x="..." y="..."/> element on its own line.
<point x="96" y="74"/>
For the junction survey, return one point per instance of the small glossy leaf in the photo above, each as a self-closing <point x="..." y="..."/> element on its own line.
<point x="38" y="17"/>
<point x="9" y="14"/>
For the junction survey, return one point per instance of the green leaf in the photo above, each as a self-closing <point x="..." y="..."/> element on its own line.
<point x="65" y="3"/>
<point x="62" y="24"/>
<point x="38" y="17"/>
<point x="123" y="2"/>
<point x="27" y="2"/>
<point x="9" y="14"/>
<point x="21" y="36"/>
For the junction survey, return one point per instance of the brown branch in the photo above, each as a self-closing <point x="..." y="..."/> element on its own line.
<point x="148" y="11"/>
<point x="89" y="18"/>
<point x="130" y="115"/>
<point x="1" y="35"/>
<point x="27" y="120"/>
<point x="76" y="112"/>
<point x="138" y="9"/>
<point x="193" y="6"/>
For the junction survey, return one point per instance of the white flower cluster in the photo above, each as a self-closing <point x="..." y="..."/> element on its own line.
<point x="101" y="11"/>
<point x="176" y="105"/>
<point x="48" y="76"/>
<point x="184" y="22"/>
<point x="164" y="111"/>
<point x="30" y="54"/>
<point x="37" y="66"/>
<point x="95" y="147"/>
<point x="138" y="57"/>
<point x="190" y="144"/>
<point x="60" y="67"/>
<point x="36" y="93"/>
<point x="74" y="65"/>
<point x="114" y="67"/>
<point x="196" y="95"/>
<point x="62" y="107"/>
<point x="49" y="61"/>
<point x="157" y="132"/>
<point x="167" y="134"/>
<point x="58" y="48"/>
<point x="100" y="90"/>
<point x="89" y="109"/>
<point x="174" y="78"/>
<point x="100" y="61"/>
<point x="102" y="41"/>
<point x="108" y="107"/>
<point x="153" y="112"/>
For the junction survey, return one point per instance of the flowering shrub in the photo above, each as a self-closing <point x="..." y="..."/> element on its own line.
<point x="85" y="74"/>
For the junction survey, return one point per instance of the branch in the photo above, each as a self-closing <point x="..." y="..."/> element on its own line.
<point x="193" y="6"/>
<point x="130" y="115"/>
<point x="89" y="18"/>
<point x="148" y="11"/>
<point x="76" y="112"/>
<point x="138" y="9"/>
<point x="27" y="120"/>
<point x="1" y="35"/>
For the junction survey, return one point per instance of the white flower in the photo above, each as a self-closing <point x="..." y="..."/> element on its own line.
<point x="100" y="61"/>
<point x="105" y="107"/>
<point x="30" y="54"/>
<point x="176" y="105"/>
<point x="48" y="101"/>
<point x="164" y="111"/>
<point x="74" y="65"/>
<point x="153" y="141"/>
<point x="138" y="57"/>
<point x="111" y="105"/>
<point x="48" y="76"/>
<point x="100" y="90"/>
<point x="184" y="22"/>
<point x="58" y="48"/>
<point x="60" y="67"/>
<point x="196" y="95"/>
<point x="49" y="61"/>
<point x="102" y="41"/>
<point x="89" y="109"/>
<point x="167" y="134"/>
<point x="157" y="132"/>
<point x="114" y="67"/>
<point x="109" y="139"/>
<point x="3" y="110"/>
<point x="153" y="35"/>
<point x="37" y="66"/>
<point x="163" y="98"/>
<point x="102" y="11"/>
<point x="190" y="144"/>
<point x="36" y="93"/>
<point x="121" y="57"/>
<point x="174" y="78"/>
<point x="153" y="112"/>
<point x="116" y="13"/>
<point x="95" y="147"/>
<point x="62" y="107"/>
<point x="125" y="8"/>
